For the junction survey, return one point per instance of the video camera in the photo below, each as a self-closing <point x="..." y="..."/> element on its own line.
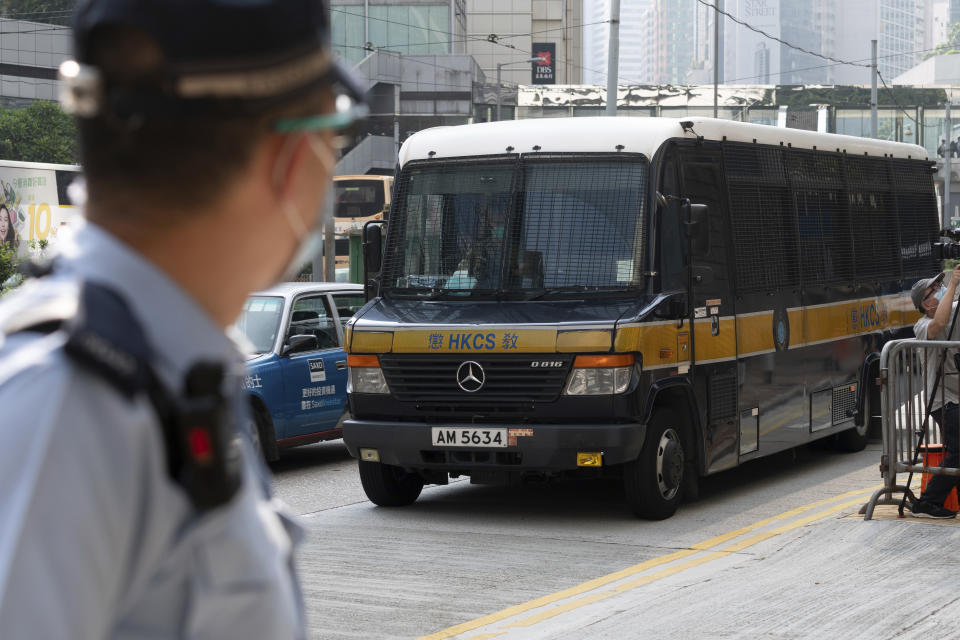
<point x="949" y="249"/>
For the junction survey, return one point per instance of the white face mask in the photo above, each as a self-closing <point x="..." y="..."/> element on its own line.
<point x="309" y="241"/>
<point x="939" y="294"/>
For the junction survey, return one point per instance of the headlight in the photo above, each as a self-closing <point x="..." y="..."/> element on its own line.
<point x="594" y="375"/>
<point x="365" y="375"/>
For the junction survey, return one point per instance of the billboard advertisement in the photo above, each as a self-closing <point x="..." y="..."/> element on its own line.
<point x="544" y="69"/>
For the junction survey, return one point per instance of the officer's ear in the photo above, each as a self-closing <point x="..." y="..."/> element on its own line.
<point x="287" y="155"/>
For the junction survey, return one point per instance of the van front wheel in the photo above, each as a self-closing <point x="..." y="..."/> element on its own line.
<point x="389" y="486"/>
<point x="654" y="481"/>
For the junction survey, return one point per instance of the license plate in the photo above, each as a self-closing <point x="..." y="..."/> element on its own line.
<point x="463" y="437"/>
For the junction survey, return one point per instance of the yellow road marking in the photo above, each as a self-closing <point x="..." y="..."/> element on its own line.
<point x="669" y="571"/>
<point x="590" y="585"/>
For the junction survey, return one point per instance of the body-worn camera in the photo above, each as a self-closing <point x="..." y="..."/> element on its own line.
<point x="950" y="249"/>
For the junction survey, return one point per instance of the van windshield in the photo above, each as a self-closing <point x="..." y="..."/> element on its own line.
<point x="534" y="227"/>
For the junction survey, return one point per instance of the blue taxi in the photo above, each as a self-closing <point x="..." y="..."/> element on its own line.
<point x="297" y="369"/>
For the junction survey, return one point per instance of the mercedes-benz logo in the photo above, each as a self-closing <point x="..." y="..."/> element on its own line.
<point x="470" y="376"/>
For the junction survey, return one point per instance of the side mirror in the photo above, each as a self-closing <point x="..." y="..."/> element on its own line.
<point x="372" y="256"/>
<point x="299" y="344"/>
<point x="672" y="308"/>
<point x="696" y="223"/>
<point x="372" y="247"/>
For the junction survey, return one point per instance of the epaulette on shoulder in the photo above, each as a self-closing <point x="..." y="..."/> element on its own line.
<point x="105" y="336"/>
<point x="102" y="333"/>
<point x="39" y="308"/>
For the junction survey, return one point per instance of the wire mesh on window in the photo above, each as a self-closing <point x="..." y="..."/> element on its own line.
<point x="764" y="233"/>
<point x="449" y="226"/>
<point x="873" y="217"/>
<point x="813" y="169"/>
<point x="508" y="225"/>
<point x="753" y="163"/>
<point x="822" y="219"/>
<point x="580" y="223"/>
<point x="808" y="203"/>
<point x="917" y="208"/>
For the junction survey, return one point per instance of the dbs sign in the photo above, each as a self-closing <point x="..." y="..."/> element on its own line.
<point x="544" y="69"/>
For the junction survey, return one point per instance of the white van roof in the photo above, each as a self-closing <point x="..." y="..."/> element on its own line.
<point x="637" y="135"/>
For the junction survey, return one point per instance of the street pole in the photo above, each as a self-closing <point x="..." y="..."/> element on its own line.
<point x="613" y="58"/>
<point x="716" y="54"/>
<point x="327" y="271"/>
<point x="396" y="120"/>
<point x="499" y="65"/>
<point x="503" y="64"/>
<point x="873" y="89"/>
<point x="948" y="134"/>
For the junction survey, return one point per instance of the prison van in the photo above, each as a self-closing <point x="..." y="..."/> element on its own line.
<point x="660" y="299"/>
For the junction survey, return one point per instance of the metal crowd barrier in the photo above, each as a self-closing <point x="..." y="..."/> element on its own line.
<point x="905" y="388"/>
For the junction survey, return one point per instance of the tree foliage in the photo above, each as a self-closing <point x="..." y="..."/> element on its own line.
<point x="951" y="46"/>
<point x="48" y="11"/>
<point x="8" y="263"/>
<point x="41" y="132"/>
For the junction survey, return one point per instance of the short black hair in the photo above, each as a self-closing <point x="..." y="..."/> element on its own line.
<point x="179" y="162"/>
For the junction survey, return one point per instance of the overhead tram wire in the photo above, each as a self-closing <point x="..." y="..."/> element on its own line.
<point x="495" y="40"/>
<point x="44" y="30"/>
<point x="783" y="42"/>
<point x="901" y="109"/>
<point x="491" y="38"/>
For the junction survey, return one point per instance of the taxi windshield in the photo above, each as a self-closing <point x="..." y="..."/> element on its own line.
<point x="260" y="321"/>
<point x="566" y="224"/>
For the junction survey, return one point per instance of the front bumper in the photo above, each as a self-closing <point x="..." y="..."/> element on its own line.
<point x="538" y="447"/>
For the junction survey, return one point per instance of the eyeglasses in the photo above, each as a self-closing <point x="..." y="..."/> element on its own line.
<point x="347" y="112"/>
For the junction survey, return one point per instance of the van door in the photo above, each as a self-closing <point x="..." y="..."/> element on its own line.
<point x="713" y="338"/>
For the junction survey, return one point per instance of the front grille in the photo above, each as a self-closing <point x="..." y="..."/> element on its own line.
<point x="512" y="382"/>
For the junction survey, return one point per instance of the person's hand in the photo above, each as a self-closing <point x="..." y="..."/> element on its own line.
<point x="955" y="278"/>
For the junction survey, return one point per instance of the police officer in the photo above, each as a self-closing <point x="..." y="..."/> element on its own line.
<point x="131" y="505"/>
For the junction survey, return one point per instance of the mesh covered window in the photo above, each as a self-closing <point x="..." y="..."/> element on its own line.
<point x="505" y="224"/>
<point x="764" y="233"/>
<point x="919" y="227"/>
<point x="580" y="224"/>
<point x="449" y="228"/>
<point x="823" y="223"/>
<point x="873" y="215"/>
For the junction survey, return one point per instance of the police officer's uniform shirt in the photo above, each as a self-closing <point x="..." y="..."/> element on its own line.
<point x="947" y="389"/>
<point x="96" y="541"/>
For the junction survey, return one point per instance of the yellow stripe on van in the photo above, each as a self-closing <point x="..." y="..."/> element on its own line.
<point x="718" y="347"/>
<point x="370" y="342"/>
<point x="659" y="343"/>
<point x="475" y="340"/>
<point x="755" y="332"/>
<point x="583" y="341"/>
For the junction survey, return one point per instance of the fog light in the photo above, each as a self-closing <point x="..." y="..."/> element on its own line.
<point x="370" y="455"/>
<point x="589" y="459"/>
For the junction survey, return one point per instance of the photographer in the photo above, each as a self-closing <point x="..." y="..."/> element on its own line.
<point x="936" y="302"/>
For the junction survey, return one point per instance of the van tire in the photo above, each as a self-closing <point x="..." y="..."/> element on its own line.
<point x="654" y="482"/>
<point x="855" y="439"/>
<point x="389" y="486"/>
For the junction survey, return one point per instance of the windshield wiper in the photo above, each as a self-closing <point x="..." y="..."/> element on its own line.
<point x="459" y="293"/>
<point x="577" y="288"/>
